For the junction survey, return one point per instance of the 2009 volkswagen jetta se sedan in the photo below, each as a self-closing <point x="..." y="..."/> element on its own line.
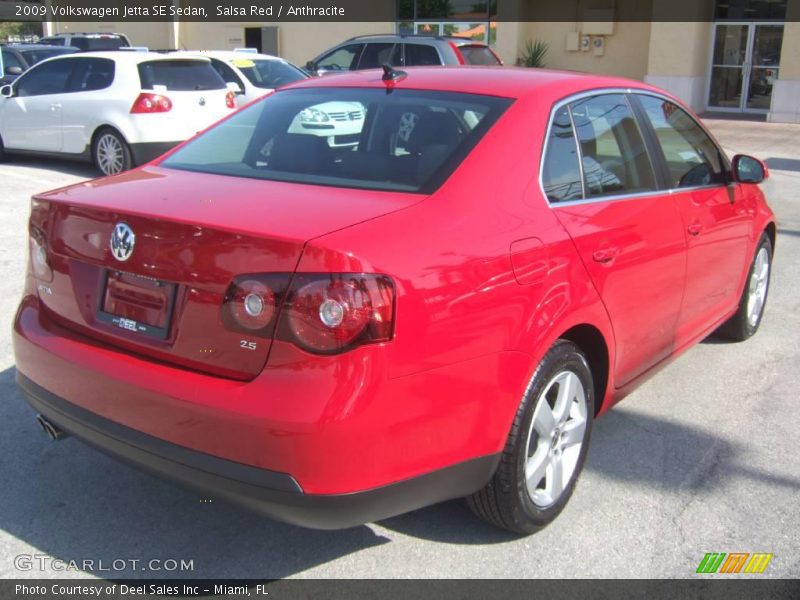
<point x="332" y="334"/>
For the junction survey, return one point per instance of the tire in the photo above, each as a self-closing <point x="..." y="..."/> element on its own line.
<point x="747" y="319"/>
<point x="539" y="446"/>
<point x="111" y="153"/>
<point x="3" y="155"/>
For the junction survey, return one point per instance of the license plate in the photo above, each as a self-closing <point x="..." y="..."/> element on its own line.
<point x="136" y="304"/>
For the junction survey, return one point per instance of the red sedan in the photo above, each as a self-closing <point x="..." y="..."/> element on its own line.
<point x="333" y="332"/>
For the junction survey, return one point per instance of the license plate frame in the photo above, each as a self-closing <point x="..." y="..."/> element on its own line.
<point x="129" y="325"/>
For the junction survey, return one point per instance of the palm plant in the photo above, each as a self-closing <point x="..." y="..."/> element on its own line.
<point x="534" y="53"/>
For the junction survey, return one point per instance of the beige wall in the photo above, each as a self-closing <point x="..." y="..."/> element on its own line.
<point x="626" y="49"/>
<point x="790" y="51"/>
<point x="679" y="49"/>
<point x="297" y="42"/>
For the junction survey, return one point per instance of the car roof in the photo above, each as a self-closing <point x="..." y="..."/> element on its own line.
<point x="507" y="82"/>
<point x="128" y="56"/>
<point x="226" y="55"/>
<point x="417" y="37"/>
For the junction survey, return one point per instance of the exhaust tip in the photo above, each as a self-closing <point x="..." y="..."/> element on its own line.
<point x="53" y="432"/>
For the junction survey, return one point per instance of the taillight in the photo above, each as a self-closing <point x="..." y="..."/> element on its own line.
<point x="148" y="103"/>
<point x="230" y="100"/>
<point x="459" y="56"/>
<point x="39" y="259"/>
<point x="320" y="313"/>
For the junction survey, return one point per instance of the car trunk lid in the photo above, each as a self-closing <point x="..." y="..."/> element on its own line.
<point x="191" y="234"/>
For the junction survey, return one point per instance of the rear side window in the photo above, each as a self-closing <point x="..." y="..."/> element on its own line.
<point x="478" y="55"/>
<point x="421" y="55"/>
<point x="180" y="75"/>
<point x="614" y="157"/>
<point x="561" y="173"/>
<point x="408" y="140"/>
<point x="52" y="41"/>
<point x="693" y="159"/>
<point x="378" y="54"/>
<point x="99" y="43"/>
<point x="92" y="74"/>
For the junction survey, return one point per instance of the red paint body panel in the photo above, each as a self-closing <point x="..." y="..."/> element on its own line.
<point x="487" y="277"/>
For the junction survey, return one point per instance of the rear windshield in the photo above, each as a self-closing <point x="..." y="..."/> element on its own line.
<point x="407" y="140"/>
<point x="180" y="75"/>
<point x="110" y="42"/>
<point x="269" y="74"/>
<point x="478" y="55"/>
<point x="34" y="56"/>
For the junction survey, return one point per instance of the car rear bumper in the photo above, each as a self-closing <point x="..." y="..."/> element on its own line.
<point x="144" y="152"/>
<point x="273" y="494"/>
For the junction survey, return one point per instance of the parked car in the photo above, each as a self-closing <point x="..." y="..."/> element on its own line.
<point x="88" y="42"/>
<point x="333" y="336"/>
<point x="117" y="109"/>
<point x="253" y="74"/>
<point x="18" y="58"/>
<point x="373" y="51"/>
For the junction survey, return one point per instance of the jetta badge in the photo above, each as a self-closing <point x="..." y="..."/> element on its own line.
<point x="122" y="241"/>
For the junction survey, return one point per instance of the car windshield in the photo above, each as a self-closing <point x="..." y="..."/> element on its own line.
<point x="34" y="56"/>
<point x="268" y="74"/>
<point x="180" y="75"/>
<point x="406" y="140"/>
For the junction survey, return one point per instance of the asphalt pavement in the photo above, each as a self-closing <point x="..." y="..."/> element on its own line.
<point x="705" y="457"/>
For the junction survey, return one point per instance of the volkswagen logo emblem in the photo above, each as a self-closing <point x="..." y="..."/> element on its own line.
<point x="202" y="101"/>
<point x="122" y="241"/>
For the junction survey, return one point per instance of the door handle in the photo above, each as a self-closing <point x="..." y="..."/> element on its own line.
<point x="695" y="228"/>
<point x="605" y="255"/>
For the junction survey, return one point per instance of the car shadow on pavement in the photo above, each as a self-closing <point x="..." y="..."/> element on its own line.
<point x="73" y="503"/>
<point x="66" y="167"/>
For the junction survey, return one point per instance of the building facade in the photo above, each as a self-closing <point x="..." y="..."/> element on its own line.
<point x="734" y="56"/>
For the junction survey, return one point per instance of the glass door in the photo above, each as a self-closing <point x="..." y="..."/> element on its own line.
<point x="744" y="64"/>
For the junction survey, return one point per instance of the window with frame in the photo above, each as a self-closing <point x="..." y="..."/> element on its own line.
<point x="46" y="78"/>
<point x="92" y="74"/>
<point x="561" y="172"/>
<point x="341" y="59"/>
<point x="692" y="158"/>
<point x="613" y="153"/>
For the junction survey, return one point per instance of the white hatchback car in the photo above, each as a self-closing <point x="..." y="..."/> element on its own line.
<point x="117" y="109"/>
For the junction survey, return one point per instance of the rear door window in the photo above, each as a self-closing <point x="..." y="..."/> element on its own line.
<point x="692" y="158"/>
<point x="477" y="54"/>
<point x="377" y="54"/>
<point x="421" y="55"/>
<point x="180" y="75"/>
<point x="614" y="156"/>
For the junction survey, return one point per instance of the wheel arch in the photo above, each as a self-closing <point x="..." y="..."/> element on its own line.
<point x="772" y="231"/>
<point x="593" y="344"/>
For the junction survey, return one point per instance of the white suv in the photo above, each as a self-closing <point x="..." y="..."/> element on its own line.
<point x="118" y="109"/>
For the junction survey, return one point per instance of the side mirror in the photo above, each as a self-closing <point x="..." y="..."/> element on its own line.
<point x="7" y="91"/>
<point x="14" y="71"/>
<point x="235" y="88"/>
<point x="747" y="169"/>
<point x="310" y="66"/>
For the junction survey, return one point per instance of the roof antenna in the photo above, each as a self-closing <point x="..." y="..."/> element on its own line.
<point x="391" y="74"/>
